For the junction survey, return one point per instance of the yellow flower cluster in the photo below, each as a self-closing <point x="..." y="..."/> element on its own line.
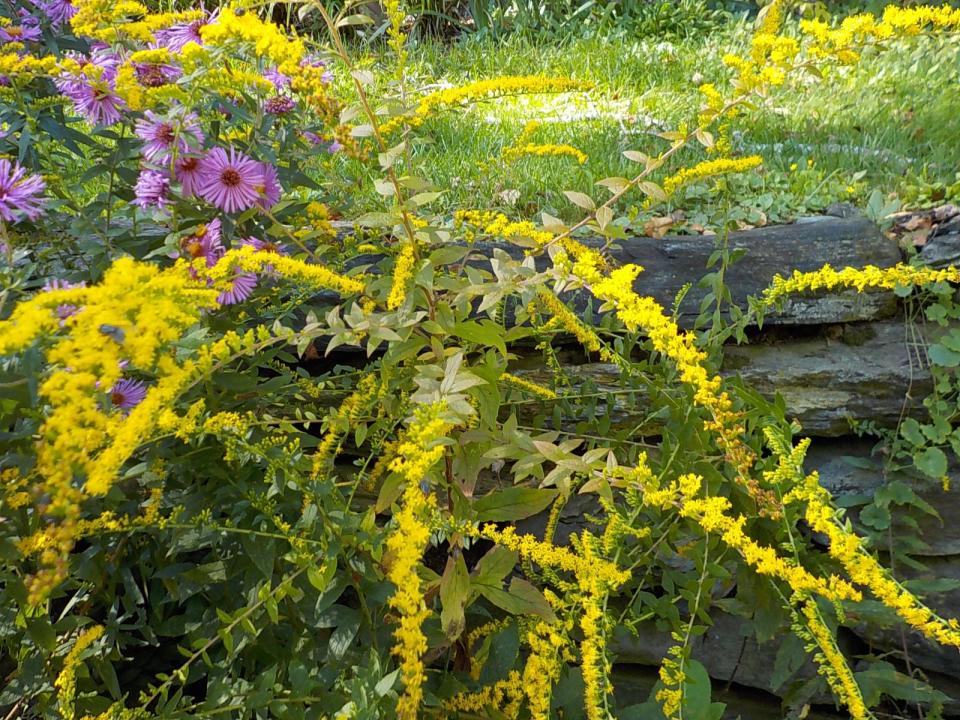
<point x="504" y="697"/>
<point x="515" y="152"/>
<point x="847" y="548"/>
<point x="342" y="420"/>
<point x="398" y="39"/>
<point x="183" y="427"/>
<point x="593" y="661"/>
<point x="830" y="661"/>
<point x="712" y="514"/>
<point x="826" y="278"/>
<point x="227" y="422"/>
<point x="528" y="386"/>
<point x="710" y="168"/>
<point x="131" y="319"/>
<point x="402" y="274"/>
<point x="249" y="259"/>
<point x="586" y="335"/>
<point x="617" y="530"/>
<point x="541" y="671"/>
<point x="673" y="678"/>
<point x="595" y="578"/>
<point x="713" y="105"/>
<point x="416" y="453"/>
<point x="138" y="97"/>
<point x="16" y="66"/>
<point x="51" y="536"/>
<point x="269" y="41"/>
<point x="482" y="89"/>
<point x="66" y="682"/>
<point x="14" y="488"/>
<point x="547" y="555"/>
<point x="489" y="222"/>
<point x="110" y="21"/>
<point x="841" y="42"/>
<point x="641" y="312"/>
<point x="318" y="222"/>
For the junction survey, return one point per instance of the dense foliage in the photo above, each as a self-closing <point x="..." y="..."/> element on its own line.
<point x="259" y="464"/>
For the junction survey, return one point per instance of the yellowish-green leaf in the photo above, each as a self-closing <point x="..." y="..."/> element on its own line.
<point x="652" y="190"/>
<point x="580" y="199"/>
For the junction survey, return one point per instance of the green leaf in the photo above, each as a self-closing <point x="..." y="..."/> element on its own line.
<point x="580" y="199"/>
<point x="513" y="503"/>
<point x="522" y="599"/>
<point x="42" y="633"/>
<point x="344" y="634"/>
<point x="883" y="679"/>
<point x="932" y="462"/>
<point x="261" y="550"/>
<point x="910" y="429"/>
<point x="495" y="566"/>
<point x="939" y="355"/>
<point x="484" y="332"/>
<point x="790" y="658"/>
<point x="454" y="590"/>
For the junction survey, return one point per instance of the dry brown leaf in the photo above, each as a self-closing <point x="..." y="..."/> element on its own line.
<point x="656" y="227"/>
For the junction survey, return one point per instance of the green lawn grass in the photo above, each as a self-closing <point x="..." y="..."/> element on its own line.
<point x="890" y="124"/>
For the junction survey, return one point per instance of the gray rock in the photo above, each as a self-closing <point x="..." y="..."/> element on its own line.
<point x="826" y="384"/>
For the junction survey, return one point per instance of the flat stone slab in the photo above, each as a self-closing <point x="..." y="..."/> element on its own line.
<point x="671" y="262"/>
<point x="870" y="372"/>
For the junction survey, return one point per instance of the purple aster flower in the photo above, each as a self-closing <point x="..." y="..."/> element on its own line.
<point x="57" y="11"/>
<point x="176" y="36"/>
<point x="161" y="134"/>
<point x="188" y="172"/>
<point x="154" y="75"/>
<point x="19" y="193"/>
<point x="335" y="146"/>
<point x="311" y="137"/>
<point x="58" y="284"/>
<point x="265" y="245"/>
<point x="242" y="284"/>
<point x="27" y="31"/>
<point x="99" y="104"/>
<point x="65" y="310"/>
<point x="128" y="393"/>
<point x="152" y="189"/>
<point x="205" y="243"/>
<point x="230" y="181"/>
<point x="93" y="97"/>
<point x="279" y="80"/>
<point x="279" y="105"/>
<point x="269" y="188"/>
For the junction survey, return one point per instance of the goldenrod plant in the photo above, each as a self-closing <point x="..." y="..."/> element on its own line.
<point x="258" y="465"/>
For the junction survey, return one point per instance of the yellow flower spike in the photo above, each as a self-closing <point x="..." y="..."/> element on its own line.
<point x="472" y="92"/>
<point x="543" y="666"/>
<point x="515" y="152"/>
<point x="504" y="696"/>
<point x="66" y="682"/>
<point x="586" y="335"/>
<point x="826" y="278"/>
<point x="248" y="259"/>
<point x="528" y="386"/>
<point x="415" y="455"/>
<point x="830" y="661"/>
<point x="402" y="274"/>
<point x="710" y="168"/>
<point x="341" y="420"/>
<point x="864" y="569"/>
